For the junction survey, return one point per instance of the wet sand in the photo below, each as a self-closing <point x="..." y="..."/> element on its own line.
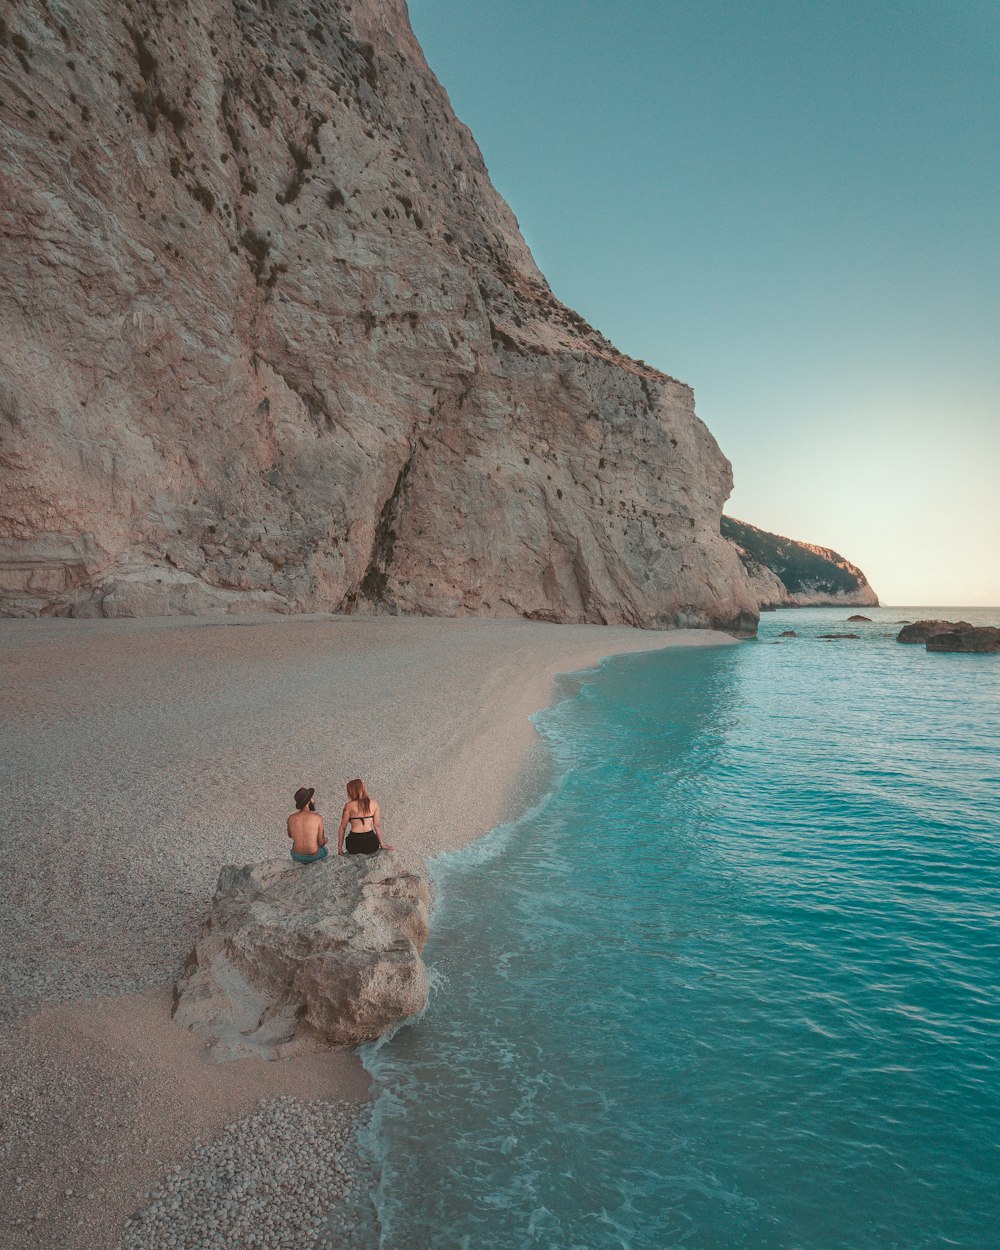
<point x="138" y="758"/>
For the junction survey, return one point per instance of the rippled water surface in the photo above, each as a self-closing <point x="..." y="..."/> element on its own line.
<point x="737" y="982"/>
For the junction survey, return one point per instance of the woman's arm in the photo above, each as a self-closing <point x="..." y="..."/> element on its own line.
<point x="340" y="831"/>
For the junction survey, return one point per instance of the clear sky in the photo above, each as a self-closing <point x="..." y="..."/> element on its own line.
<point x="794" y="206"/>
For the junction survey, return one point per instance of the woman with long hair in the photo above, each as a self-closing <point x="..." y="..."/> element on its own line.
<point x="364" y="816"/>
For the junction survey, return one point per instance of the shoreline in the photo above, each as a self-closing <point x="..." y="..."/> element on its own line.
<point x="428" y="704"/>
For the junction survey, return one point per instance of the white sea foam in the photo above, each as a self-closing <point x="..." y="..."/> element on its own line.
<point x="731" y="981"/>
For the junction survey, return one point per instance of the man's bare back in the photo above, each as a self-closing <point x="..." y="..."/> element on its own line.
<point x="305" y="828"/>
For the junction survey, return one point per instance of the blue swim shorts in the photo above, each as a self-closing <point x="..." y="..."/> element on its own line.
<point x="309" y="859"/>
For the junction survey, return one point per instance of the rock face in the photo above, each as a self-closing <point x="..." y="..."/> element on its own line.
<point x="297" y="951"/>
<point x="785" y="573"/>
<point x="920" y="631"/>
<point x="981" y="639"/>
<point x="952" y="636"/>
<point x="270" y="340"/>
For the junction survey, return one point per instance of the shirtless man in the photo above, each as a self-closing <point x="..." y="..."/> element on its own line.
<point x="305" y="828"/>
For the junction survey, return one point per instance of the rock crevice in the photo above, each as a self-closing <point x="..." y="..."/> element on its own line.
<point x="192" y="191"/>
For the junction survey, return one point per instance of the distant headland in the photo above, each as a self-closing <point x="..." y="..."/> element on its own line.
<point x="785" y="573"/>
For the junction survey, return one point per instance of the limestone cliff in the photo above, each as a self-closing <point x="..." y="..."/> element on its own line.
<point x="788" y="574"/>
<point x="270" y="340"/>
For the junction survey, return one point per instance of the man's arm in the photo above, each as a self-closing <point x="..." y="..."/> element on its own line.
<point x="288" y="826"/>
<point x="321" y="836"/>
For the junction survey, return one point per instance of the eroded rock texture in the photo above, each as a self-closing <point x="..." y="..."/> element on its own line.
<point x="292" y="952"/>
<point x="270" y="340"/>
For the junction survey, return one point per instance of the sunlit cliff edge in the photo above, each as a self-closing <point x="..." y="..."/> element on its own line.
<point x="271" y="341"/>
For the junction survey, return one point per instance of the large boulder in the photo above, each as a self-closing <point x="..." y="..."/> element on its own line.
<point x="291" y="952"/>
<point x="920" y="631"/>
<point x="980" y="639"/>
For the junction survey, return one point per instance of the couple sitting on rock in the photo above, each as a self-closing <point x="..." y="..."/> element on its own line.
<point x="361" y="812"/>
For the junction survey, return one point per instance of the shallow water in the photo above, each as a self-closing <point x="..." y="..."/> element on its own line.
<point x="736" y="983"/>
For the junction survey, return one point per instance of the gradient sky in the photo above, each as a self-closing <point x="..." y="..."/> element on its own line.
<point x="794" y="206"/>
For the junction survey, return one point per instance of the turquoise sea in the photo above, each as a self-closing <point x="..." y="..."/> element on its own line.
<point x="735" y="981"/>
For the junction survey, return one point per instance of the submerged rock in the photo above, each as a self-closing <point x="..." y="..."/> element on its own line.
<point x="981" y="639"/>
<point x="920" y="631"/>
<point x="328" y="951"/>
<point x="858" y="617"/>
<point x="788" y="633"/>
<point x="836" y="636"/>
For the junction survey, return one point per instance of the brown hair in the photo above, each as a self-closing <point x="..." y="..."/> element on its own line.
<point x="357" y="793"/>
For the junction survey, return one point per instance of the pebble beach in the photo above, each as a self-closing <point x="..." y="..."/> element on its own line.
<point x="139" y="756"/>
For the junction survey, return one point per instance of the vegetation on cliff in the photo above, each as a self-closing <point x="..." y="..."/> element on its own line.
<point x="806" y="573"/>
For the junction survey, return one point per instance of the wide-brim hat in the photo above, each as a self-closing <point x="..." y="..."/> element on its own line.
<point x="303" y="794"/>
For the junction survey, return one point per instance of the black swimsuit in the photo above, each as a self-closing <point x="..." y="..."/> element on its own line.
<point x="362" y="841"/>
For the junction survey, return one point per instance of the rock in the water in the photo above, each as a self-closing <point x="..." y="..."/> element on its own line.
<point x="982" y="639"/>
<point x="857" y="617"/>
<point x="920" y="631"/>
<point x="291" y="951"/>
<point x="836" y="636"/>
<point x="788" y="633"/>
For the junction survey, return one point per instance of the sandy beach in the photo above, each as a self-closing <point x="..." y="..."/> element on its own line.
<point x="139" y="757"/>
